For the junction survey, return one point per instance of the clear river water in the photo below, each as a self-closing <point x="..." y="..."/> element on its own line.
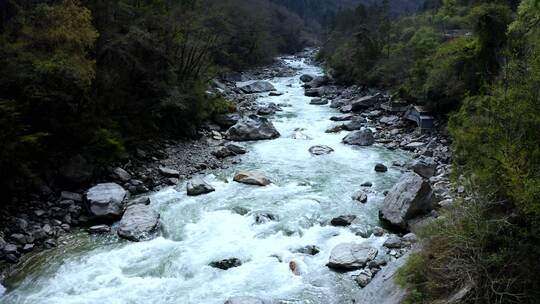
<point x="307" y="191"/>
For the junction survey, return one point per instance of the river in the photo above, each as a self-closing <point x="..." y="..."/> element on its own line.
<point x="307" y="191"/>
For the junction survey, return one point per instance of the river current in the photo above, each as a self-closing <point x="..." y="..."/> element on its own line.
<point x="307" y="192"/>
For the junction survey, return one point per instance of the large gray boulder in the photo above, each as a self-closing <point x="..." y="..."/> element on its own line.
<point x="360" y="138"/>
<point x="318" y="82"/>
<point x="138" y="223"/>
<point x="382" y="289"/>
<point x="364" y="103"/>
<point x="252" y="178"/>
<point x="197" y="186"/>
<point x="105" y="201"/>
<point x="424" y="166"/>
<point x="227" y="120"/>
<point x="410" y="197"/>
<point x="351" y="256"/>
<point x="355" y="124"/>
<point x="244" y="300"/>
<point x="338" y="103"/>
<point x="258" y="87"/>
<point x="252" y="127"/>
<point x="306" y="78"/>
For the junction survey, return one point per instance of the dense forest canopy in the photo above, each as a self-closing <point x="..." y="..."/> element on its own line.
<point x="91" y="76"/>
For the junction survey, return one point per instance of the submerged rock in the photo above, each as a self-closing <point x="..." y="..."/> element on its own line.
<point x="105" y="201"/>
<point x="252" y="127"/>
<point x="197" y="186"/>
<point x="258" y="87"/>
<point x="252" y="178"/>
<point x="380" y="168"/>
<point x="360" y="196"/>
<point x="306" y="78"/>
<point x="310" y="250"/>
<point x="320" y="150"/>
<point x="360" y="138"/>
<point x="244" y="300"/>
<point x="343" y="220"/>
<point x="351" y="256"/>
<point x="98" y="229"/>
<point x="409" y="198"/>
<point x="226" y="264"/>
<point x="318" y="101"/>
<point x="138" y="223"/>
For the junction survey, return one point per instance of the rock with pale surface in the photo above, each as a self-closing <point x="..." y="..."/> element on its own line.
<point x="320" y="150"/>
<point x="258" y="87"/>
<point x="138" y="223"/>
<point x="351" y="256"/>
<point x="105" y="201"/>
<point x="410" y="197"/>
<point x="252" y="127"/>
<point x="360" y="138"/>
<point x="252" y="178"/>
<point x="197" y="186"/>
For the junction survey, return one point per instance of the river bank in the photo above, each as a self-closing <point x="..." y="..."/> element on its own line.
<point x="154" y="169"/>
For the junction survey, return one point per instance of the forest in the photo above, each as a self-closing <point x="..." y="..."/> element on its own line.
<point x="476" y="63"/>
<point x="97" y="77"/>
<point x="93" y="77"/>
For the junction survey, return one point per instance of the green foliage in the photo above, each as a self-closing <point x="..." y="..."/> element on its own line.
<point x="453" y="74"/>
<point x="106" y="145"/>
<point x="490" y="243"/>
<point x="436" y="57"/>
<point x="82" y="77"/>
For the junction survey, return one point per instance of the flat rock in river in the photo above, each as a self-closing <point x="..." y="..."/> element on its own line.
<point x="258" y="87"/>
<point x="105" y="201"/>
<point x="252" y="127"/>
<point x="197" y="186"/>
<point x="351" y="256"/>
<point x="320" y="150"/>
<point x="138" y="223"/>
<point x="410" y="197"/>
<point x="252" y="178"/>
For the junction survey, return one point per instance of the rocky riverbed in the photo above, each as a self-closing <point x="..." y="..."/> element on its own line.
<point x="297" y="184"/>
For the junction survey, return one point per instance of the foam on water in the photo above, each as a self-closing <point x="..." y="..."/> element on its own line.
<point x="173" y="268"/>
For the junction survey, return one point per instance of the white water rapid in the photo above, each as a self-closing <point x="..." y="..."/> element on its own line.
<point x="307" y="191"/>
